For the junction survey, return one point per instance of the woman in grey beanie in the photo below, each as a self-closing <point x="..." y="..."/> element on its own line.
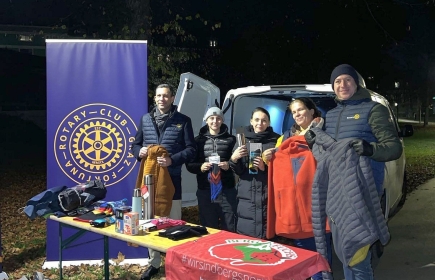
<point x="217" y="196"/>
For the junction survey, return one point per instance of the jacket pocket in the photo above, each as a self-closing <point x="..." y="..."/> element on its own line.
<point x="287" y="207"/>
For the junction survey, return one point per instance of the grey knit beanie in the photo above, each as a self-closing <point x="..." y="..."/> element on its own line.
<point x="214" y="111"/>
<point x="344" y="69"/>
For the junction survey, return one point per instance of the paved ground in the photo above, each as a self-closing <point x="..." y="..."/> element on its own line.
<point x="411" y="121"/>
<point x="410" y="255"/>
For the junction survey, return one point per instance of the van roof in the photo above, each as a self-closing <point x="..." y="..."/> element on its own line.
<point x="281" y="89"/>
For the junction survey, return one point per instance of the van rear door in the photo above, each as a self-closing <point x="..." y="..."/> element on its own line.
<point x="194" y="96"/>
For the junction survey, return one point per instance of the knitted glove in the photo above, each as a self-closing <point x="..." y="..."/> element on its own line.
<point x="362" y="147"/>
<point x="310" y="137"/>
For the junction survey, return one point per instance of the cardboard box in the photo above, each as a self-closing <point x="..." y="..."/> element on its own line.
<point x="131" y="223"/>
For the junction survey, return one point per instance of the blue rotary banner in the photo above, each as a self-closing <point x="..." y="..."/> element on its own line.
<point x="96" y="92"/>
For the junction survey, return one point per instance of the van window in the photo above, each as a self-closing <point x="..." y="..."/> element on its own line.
<point x="324" y="104"/>
<point x="281" y="118"/>
<point x="393" y="117"/>
<point x="382" y="101"/>
<point x="244" y="105"/>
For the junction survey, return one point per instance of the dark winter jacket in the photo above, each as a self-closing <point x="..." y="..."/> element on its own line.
<point x="223" y="145"/>
<point x="345" y="192"/>
<point x="44" y="203"/>
<point x="176" y="136"/>
<point x="360" y="117"/>
<point x="252" y="188"/>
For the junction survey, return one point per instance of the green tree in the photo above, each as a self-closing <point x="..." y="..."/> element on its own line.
<point x="171" y="29"/>
<point x="414" y="54"/>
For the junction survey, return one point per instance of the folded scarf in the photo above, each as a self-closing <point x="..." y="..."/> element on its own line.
<point x="214" y="177"/>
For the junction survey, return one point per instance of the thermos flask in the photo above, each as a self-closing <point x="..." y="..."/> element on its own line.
<point x="136" y="202"/>
<point x="149" y="199"/>
<point x="241" y="141"/>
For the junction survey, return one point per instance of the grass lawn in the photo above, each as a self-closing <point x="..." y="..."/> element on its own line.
<point x="420" y="156"/>
<point x="421" y="144"/>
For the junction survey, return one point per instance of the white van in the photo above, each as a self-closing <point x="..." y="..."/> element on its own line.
<point x="195" y="95"/>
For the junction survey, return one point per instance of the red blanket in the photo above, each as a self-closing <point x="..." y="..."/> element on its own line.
<point x="226" y="255"/>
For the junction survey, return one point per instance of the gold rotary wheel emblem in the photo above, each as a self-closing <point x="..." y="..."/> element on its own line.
<point x="97" y="145"/>
<point x="356" y="116"/>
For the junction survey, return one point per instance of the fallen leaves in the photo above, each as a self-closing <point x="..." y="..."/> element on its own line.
<point x="22" y="176"/>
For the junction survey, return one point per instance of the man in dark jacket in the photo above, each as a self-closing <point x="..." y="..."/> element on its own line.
<point x="165" y="126"/>
<point x="374" y="136"/>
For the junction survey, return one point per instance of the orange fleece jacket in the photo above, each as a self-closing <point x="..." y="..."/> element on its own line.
<point x="290" y="180"/>
<point x="163" y="187"/>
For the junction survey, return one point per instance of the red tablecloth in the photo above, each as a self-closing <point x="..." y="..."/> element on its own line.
<point x="226" y="255"/>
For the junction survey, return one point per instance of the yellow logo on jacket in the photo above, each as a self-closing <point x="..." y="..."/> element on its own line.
<point x="356" y="116"/>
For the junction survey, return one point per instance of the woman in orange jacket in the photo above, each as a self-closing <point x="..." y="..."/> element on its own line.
<point x="289" y="203"/>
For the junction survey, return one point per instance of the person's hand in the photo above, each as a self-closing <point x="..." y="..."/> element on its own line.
<point x="206" y="166"/>
<point x="362" y="147"/>
<point x="240" y="152"/>
<point x="259" y="163"/>
<point x="310" y="137"/>
<point x="143" y="152"/>
<point x="224" y="165"/>
<point x="164" y="161"/>
<point x="267" y="154"/>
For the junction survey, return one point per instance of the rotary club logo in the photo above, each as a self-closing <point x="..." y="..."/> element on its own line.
<point x="252" y="252"/>
<point x="93" y="142"/>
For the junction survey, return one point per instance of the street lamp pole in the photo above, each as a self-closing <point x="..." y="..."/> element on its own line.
<point x="397" y="109"/>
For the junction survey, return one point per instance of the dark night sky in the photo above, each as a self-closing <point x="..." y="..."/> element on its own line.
<point x="287" y="36"/>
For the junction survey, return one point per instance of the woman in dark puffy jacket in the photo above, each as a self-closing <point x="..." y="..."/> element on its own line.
<point x="217" y="196"/>
<point x="252" y="185"/>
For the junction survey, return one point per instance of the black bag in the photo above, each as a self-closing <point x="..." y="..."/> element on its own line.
<point x="82" y="195"/>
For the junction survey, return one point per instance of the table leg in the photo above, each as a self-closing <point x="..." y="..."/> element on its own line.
<point x="64" y="243"/>
<point x="106" y="258"/>
<point x="60" y="252"/>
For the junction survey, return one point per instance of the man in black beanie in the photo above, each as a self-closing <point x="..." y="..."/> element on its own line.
<point x="374" y="136"/>
<point x="341" y="70"/>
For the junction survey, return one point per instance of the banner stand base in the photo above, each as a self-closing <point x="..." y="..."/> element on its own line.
<point x="55" y="264"/>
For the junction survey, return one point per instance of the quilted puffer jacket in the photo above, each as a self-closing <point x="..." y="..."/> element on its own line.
<point x="344" y="191"/>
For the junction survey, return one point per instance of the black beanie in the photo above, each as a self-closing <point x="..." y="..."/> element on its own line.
<point x="344" y="69"/>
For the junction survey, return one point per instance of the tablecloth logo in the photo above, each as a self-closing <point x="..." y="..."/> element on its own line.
<point x="93" y="142"/>
<point x="252" y="252"/>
